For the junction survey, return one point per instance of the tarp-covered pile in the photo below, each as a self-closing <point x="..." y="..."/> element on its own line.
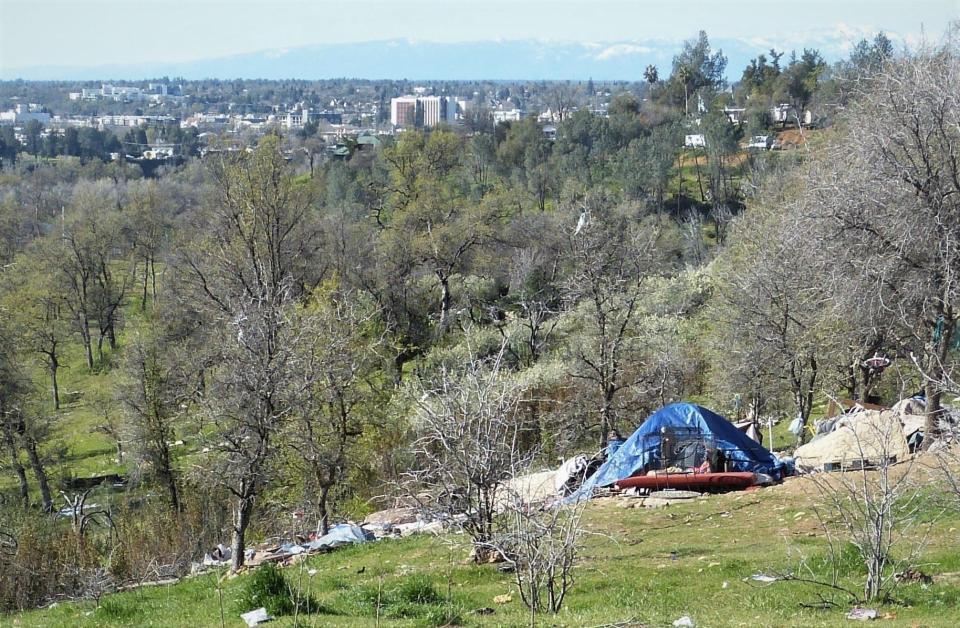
<point x="644" y="450"/>
<point x="855" y="440"/>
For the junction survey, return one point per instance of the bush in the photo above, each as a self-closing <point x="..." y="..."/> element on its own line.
<point x="414" y="597"/>
<point x="267" y="587"/>
<point x="418" y="590"/>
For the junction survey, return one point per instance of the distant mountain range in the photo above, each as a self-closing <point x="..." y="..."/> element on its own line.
<point x="407" y="59"/>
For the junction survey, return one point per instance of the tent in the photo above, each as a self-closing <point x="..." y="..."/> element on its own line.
<point x="856" y="439"/>
<point x="681" y="434"/>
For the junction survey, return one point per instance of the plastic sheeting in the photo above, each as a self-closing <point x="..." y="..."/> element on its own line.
<point x="642" y="450"/>
<point x="340" y="534"/>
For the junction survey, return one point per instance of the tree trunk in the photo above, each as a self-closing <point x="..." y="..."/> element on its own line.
<point x="172" y="491"/>
<point x="933" y="388"/>
<point x="169" y="478"/>
<point x="146" y="276"/>
<point x="153" y="279"/>
<point x="446" y="302"/>
<point x="242" y="510"/>
<point x="87" y="341"/>
<point x="54" y="366"/>
<point x="100" y="349"/>
<point x="322" y="509"/>
<point x="17" y="466"/>
<point x="696" y="162"/>
<point x="679" y="181"/>
<point x="39" y="473"/>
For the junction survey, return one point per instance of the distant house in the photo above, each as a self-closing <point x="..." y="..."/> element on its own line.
<point x="507" y="115"/>
<point x="734" y="114"/>
<point x="696" y="140"/>
<point x="367" y="142"/>
<point x="782" y="113"/>
<point x="550" y="132"/>
<point x="760" y="142"/>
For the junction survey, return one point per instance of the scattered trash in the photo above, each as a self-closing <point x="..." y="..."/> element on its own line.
<point x="861" y="614"/>
<point x="759" y="577"/>
<point x="311" y="572"/>
<point x="256" y="617"/>
<point x="912" y="575"/>
<point x="725" y="585"/>
<point x="220" y="555"/>
<point x="506" y="598"/>
<point x="684" y="622"/>
<point x="486" y="610"/>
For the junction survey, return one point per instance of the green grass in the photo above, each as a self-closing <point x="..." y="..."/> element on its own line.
<point x="643" y="565"/>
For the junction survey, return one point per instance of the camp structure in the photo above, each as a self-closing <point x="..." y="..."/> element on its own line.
<point x="681" y="440"/>
<point x="856" y="440"/>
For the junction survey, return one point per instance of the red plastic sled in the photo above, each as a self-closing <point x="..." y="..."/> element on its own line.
<point x="705" y="481"/>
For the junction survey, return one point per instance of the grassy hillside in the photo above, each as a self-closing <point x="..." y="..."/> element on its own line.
<point x="641" y="567"/>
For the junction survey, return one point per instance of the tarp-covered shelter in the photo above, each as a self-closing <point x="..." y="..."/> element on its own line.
<point x="855" y="440"/>
<point x="682" y="435"/>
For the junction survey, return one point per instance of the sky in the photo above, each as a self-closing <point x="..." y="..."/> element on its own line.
<point x="36" y="33"/>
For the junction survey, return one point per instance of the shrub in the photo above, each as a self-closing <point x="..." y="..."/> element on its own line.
<point x="267" y="587"/>
<point x="418" y="590"/>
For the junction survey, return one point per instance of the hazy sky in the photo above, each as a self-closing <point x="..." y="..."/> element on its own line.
<point x="95" y="32"/>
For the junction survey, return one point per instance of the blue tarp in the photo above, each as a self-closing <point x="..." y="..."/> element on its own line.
<point x="641" y="452"/>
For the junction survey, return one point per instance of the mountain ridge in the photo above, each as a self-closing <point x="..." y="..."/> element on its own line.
<point x="405" y="59"/>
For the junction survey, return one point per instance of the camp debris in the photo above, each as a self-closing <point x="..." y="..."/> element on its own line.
<point x="861" y="614"/>
<point x="256" y="617"/>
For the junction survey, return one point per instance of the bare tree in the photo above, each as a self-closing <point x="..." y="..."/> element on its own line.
<point x="543" y="542"/>
<point x="612" y="260"/>
<point x="338" y="388"/>
<point x="878" y="506"/>
<point x="245" y="274"/>
<point x="892" y="207"/>
<point x="151" y="393"/>
<point x="468" y="431"/>
<point x="770" y="314"/>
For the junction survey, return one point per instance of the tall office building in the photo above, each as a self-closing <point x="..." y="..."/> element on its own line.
<point x="403" y="111"/>
<point x="422" y="111"/>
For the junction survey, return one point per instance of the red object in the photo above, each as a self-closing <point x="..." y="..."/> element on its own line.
<point x="726" y="480"/>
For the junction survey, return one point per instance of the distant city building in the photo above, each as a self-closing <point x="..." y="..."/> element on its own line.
<point x="21" y="114"/>
<point x="423" y="111"/>
<point x="403" y="111"/>
<point x="301" y="114"/>
<point x="507" y="115"/>
<point x="134" y="121"/>
<point x="155" y="92"/>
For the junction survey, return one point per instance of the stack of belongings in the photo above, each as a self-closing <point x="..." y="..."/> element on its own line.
<point x="854" y="440"/>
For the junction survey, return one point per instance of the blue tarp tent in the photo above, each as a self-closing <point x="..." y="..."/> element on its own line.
<point x="686" y="424"/>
